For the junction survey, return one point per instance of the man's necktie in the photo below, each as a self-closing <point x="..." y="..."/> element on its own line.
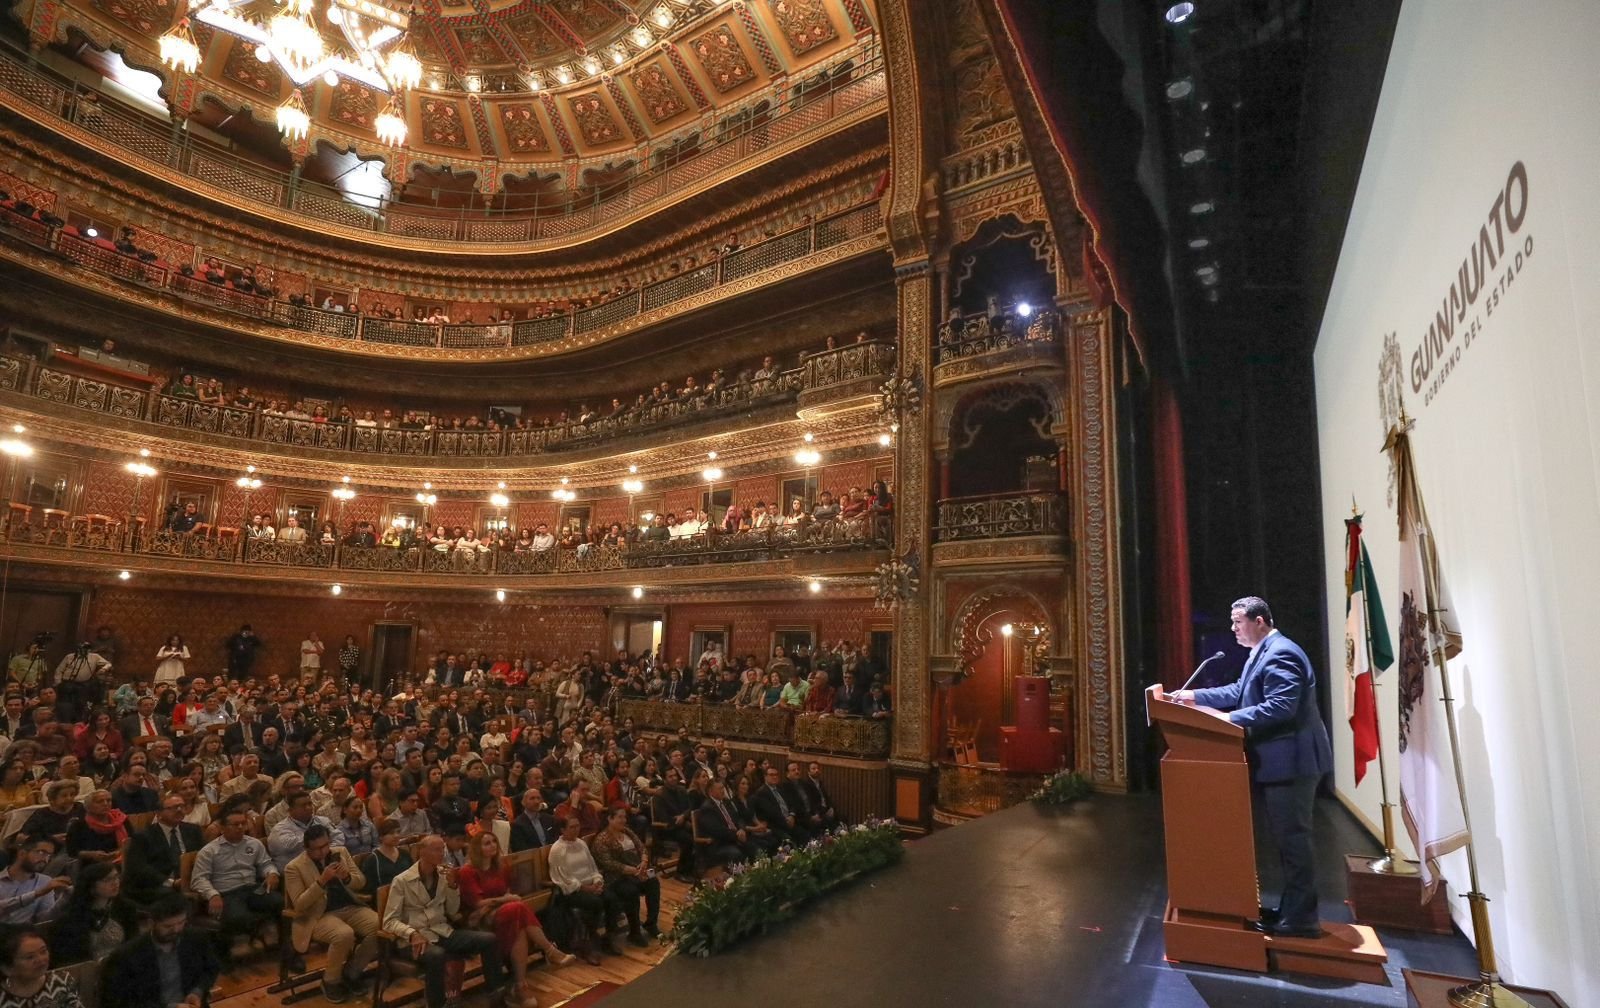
<point x="783" y="806"/>
<point x="149" y="727"/>
<point x="175" y="843"/>
<point x="725" y="816"/>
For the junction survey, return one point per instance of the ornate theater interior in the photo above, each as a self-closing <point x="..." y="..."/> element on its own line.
<point x="963" y="347"/>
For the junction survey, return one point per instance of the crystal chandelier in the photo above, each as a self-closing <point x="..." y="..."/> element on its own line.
<point x="292" y="36"/>
<point x="390" y="125"/>
<point x="294" y="122"/>
<point x="178" y="48"/>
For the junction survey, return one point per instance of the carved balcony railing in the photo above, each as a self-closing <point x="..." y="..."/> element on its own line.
<point x="846" y="736"/>
<point x="781" y="250"/>
<point x="104" y="534"/>
<point x="669" y="166"/>
<point x="54" y="385"/>
<point x="978" y="342"/>
<point x="1002" y="515"/>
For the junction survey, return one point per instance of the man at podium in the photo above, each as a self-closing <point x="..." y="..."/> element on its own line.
<point x="1275" y="702"/>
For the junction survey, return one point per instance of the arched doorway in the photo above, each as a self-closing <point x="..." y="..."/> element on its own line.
<point x="992" y="643"/>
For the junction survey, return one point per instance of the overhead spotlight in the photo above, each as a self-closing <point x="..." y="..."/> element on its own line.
<point x="638" y="592"/>
<point x="249" y="468"/>
<point x="885" y="440"/>
<point x="1202" y="207"/>
<point x="1178" y="13"/>
<point x="1199" y="242"/>
<point x="337" y="589"/>
<point x="1181" y="88"/>
<point x="124" y="575"/>
<point x="1024" y="309"/>
<point x="815" y="586"/>
<point x="711" y="455"/>
<point x="1204" y="271"/>
<point x="564" y="481"/>
<point x="91" y="232"/>
<point x="143" y="452"/>
<point x="633" y="469"/>
<point x="426" y="485"/>
<point x="809" y="437"/>
<point x="1210" y="279"/>
<point x="500" y="595"/>
<point x="502" y="484"/>
<point x="1193" y="155"/>
<point x="344" y="479"/>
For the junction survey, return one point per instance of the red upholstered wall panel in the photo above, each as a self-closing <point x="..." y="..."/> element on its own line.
<point x="753" y="623"/>
<point x="109" y="489"/>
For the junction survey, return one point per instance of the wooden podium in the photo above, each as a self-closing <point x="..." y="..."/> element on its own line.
<point x="1212" y="890"/>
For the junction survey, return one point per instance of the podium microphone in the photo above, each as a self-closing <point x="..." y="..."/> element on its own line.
<point x="1200" y="668"/>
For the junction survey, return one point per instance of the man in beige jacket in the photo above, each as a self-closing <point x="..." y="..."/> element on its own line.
<point x="423" y="902"/>
<point x="321" y="887"/>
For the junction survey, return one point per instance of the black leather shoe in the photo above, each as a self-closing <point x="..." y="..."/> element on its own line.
<point x="1260" y="926"/>
<point x="1269" y="915"/>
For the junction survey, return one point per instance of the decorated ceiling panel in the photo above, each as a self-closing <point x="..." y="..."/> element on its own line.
<point x="520" y="80"/>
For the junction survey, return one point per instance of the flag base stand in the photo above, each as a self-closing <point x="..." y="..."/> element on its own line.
<point x="1394" y="900"/>
<point x="1391" y="865"/>
<point x="1438" y="990"/>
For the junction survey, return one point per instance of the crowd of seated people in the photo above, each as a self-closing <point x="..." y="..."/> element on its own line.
<point x="314" y="795"/>
<point x="693" y="394"/>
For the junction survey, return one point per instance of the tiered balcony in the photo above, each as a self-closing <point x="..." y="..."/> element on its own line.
<point x="1001" y="516"/>
<point x="829" y="375"/>
<point x="978" y="346"/>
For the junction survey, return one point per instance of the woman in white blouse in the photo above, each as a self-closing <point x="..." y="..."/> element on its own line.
<point x="583" y="889"/>
<point x="170" y="658"/>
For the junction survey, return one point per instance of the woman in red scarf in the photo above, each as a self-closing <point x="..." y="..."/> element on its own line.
<point x="102" y="832"/>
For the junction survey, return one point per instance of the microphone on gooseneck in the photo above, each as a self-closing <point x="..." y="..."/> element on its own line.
<point x="1199" y="668"/>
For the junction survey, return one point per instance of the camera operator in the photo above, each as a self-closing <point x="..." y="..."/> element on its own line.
<point x="79" y="683"/>
<point x="28" y="669"/>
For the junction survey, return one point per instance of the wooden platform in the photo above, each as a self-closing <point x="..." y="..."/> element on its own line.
<point x="1432" y="990"/>
<point x="1345" y="951"/>
<point x="1395" y="901"/>
<point x="245" y="985"/>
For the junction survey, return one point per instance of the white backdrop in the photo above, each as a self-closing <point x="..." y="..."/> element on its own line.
<point x="1507" y="437"/>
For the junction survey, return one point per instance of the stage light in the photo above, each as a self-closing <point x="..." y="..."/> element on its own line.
<point x="565" y="481"/>
<point x="1199" y="243"/>
<point x="633" y="469"/>
<point x="711" y="455"/>
<point x="1202" y="207"/>
<point x="1204" y="271"/>
<point x="91" y="232"/>
<point x="1178" y="13"/>
<point x="815" y="587"/>
<point x="426" y="485"/>
<point x="1024" y="309"/>
<point x="502" y="484"/>
<point x="1193" y="155"/>
<point x="344" y="479"/>
<point x="500" y="595"/>
<point x="1181" y="88"/>
<point x="124" y="575"/>
<point x="143" y="452"/>
<point x="337" y="589"/>
<point x="809" y="437"/>
<point x="638" y="592"/>
<point x="1006" y="630"/>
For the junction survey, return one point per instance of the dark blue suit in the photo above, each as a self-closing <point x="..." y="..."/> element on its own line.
<point x="1275" y="702"/>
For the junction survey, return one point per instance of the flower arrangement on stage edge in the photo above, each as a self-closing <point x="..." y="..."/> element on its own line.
<point x="752" y="897"/>
<point x="1064" y="788"/>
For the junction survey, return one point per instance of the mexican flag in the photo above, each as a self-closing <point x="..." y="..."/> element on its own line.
<point x="1367" y="650"/>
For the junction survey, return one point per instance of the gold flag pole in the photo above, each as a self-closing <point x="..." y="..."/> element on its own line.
<point x="1487" y="991"/>
<point x="1391" y="863"/>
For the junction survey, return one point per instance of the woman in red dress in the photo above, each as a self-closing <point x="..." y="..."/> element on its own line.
<point x="490" y="904"/>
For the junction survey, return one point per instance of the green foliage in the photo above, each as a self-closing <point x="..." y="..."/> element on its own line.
<point x="753" y="897"/>
<point x="1062" y="789"/>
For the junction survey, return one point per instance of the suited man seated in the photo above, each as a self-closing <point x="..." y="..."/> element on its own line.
<point x="777" y="810"/>
<point x="322" y="887"/>
<point x="167" y="965"/>
<point x="818" y="795"/>
<point x="533" y="827"/>
<point x="145" y="723"/>
<point x="849" y="698"/>
<point x="1286" y="744"/>
<point x="718" y="822"/>
<point x="244" y="734"/>
<point x="151" y="863"/>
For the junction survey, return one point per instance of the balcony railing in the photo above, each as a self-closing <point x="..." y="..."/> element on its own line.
<point x="850" y="736"/>
<point x="1001" y="515"/>
<point x="780" y="118"/>
<point x="97" y="395"/>
<point x="783" y="249"/>
<point x="980" y="335"/>
<point x="102" y="534"/>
